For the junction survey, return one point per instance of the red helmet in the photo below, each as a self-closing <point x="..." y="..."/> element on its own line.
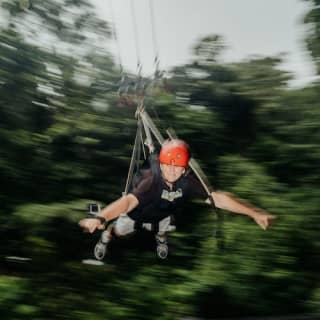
<point x="174" y="152"/>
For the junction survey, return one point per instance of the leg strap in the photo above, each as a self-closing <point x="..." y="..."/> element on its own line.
<point x="155" y="227"/>
<point x="138" y="225"/>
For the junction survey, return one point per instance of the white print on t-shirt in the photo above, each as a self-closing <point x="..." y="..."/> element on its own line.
<point x="171" y="196"/>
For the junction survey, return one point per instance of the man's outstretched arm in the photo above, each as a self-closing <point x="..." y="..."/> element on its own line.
<point x="228" y="202"/>
<point x="124" y="204"/>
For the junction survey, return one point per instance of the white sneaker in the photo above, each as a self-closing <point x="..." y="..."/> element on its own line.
<point x="100" y="250"/>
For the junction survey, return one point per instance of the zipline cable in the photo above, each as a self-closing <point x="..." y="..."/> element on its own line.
<point x="124" y="82"/>
<point x="115" y="36"/>
<point x="136" y="39"/>
<point x="134" y="162"/>
<point x="154" y="38"/>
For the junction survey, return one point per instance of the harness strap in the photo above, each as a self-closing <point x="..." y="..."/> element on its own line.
<point x="155" y="227"/>
<point x="138" y="225"/>
<point x="135" y="157"/>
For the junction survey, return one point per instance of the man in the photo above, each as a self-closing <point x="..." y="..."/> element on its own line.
<point x="160" y="192"/>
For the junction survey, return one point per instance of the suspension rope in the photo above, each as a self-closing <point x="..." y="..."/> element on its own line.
<point x="123" y="84"/>
<point x="134" y="157"/>
<point x="154" y="38"/>
<point x="115" y="36"/>
<point x="136" y="39"/>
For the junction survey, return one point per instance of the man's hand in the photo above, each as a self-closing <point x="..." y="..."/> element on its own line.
<point x="90" y="225"/>
<point x="264" y="220"/>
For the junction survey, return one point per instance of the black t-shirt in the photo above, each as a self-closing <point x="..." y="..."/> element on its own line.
<point x="157" y="201"/>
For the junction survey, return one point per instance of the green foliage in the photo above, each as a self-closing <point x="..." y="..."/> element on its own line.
<point x="312" y="20"/>
<point x="289" y="131"/>
<point x="208" y="49"/>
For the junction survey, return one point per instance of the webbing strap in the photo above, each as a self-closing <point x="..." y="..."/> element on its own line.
<point x="150" y="124"/>
<point x="134" y="157"/>
<point x="144" y="124"/>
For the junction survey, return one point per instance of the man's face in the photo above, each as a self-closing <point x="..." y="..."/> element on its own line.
<point x="171" y="173"/>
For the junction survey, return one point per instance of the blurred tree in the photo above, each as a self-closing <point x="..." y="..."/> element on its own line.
<point x="208" y="50"/>
<point x="232" y="91"/>
<point x="23" y="106"/>
<point x="288" y="134"/>
<point x="312" y="20"/>
<point x="53" y="89"/>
